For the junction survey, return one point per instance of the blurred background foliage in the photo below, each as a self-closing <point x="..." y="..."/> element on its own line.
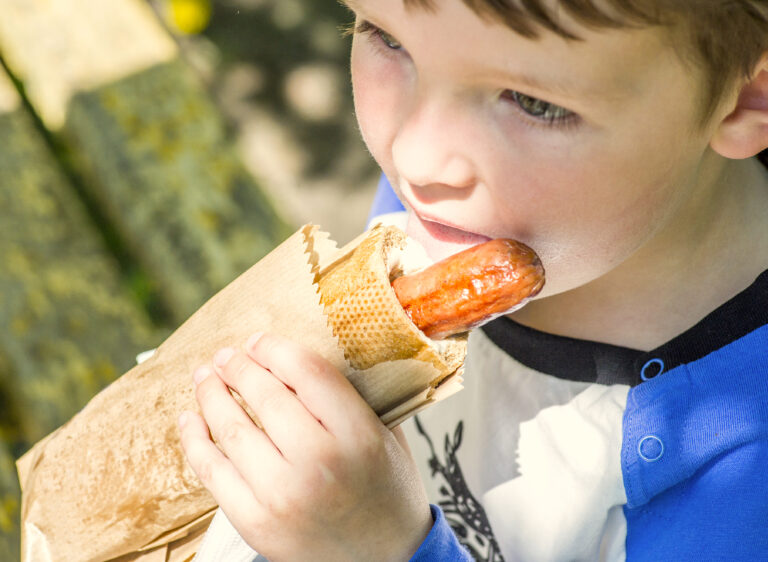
<point x="157" y="187"/>
<point x="279" y="72"/>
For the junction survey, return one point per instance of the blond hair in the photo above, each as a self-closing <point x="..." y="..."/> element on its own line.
<point x="724" y="38"/>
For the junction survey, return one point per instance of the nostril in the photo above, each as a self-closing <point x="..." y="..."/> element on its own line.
<point x="458" y="173"/>
<point x="454" y="174"/>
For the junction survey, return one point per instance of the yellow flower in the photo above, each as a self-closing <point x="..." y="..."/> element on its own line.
<point x="188" y="16"/>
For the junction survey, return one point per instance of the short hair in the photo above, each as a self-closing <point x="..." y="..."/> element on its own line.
<point x="724" y="38"/>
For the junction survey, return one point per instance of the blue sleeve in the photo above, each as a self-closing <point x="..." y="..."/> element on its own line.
<point x="441" y="544"/>
<point x="385" y="201"/>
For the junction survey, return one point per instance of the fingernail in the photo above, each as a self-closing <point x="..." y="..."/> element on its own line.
<point x="201" y="373"/>
<point x="183" y="419"/>
<point x="253" y="340"/>
<point x="222" y="356"/>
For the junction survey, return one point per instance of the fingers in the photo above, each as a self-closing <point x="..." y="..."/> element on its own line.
<point x="214" y="470"/>
<point x="302" y="402"/>
<point x="322" y="459"/>
<point x="286" y="421"/>
<point x="244" y="444"/>
<point x="320" y="387"/>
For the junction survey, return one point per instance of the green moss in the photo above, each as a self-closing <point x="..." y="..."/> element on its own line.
<point x="156" y="157"/>
<point x="74" y="327"/>
<point x="10" y="507"/>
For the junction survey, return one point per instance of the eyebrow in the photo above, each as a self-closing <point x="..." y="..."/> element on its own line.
<point x="350" y="4"/>
<point x="540" y="86"/>
<point x="545" y="87"/>
<point x="567" y="89"/>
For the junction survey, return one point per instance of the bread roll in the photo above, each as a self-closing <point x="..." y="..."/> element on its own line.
<point x="364" y="313"/>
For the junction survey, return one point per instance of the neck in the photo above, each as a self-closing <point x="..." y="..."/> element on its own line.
<point x="714" y="247"/>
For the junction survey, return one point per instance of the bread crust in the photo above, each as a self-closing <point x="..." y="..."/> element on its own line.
<point x="363" y="310"/>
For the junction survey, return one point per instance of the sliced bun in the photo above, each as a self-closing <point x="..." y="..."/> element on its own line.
<point x="364" y="312"/>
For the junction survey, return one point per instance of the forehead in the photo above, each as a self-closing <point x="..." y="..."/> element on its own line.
<point x="527" y="17"/>
<point x="607" y="63"/>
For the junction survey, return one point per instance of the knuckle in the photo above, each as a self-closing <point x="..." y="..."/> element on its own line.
<point x="236" y="369"/>
<point x="264" y="346"/>
<point x="327" y="455"/>
<point x="327" y="469"/>
<point x="280" y="505"/>
<point x="232" y="434"/>
<point x="286" y="358"/>
<point x="204" y="468"/>
<point x="315" y="366"/>
<point x="269" y="400"/>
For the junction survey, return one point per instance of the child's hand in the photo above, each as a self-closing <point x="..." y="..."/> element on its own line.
<point x="323" y="480"/>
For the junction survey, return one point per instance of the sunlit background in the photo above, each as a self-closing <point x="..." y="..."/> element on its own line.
<point x="279" y="72"/>
<point x="150" y="151"/>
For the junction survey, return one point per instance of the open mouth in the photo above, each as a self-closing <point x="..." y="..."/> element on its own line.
<point x="441" y="240"/>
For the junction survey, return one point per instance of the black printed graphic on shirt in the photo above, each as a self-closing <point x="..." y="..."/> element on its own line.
<point x="462" y="511"/>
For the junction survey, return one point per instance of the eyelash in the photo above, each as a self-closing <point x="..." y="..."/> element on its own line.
<point x="374" y="32"/>
<point x="552" y="115"/>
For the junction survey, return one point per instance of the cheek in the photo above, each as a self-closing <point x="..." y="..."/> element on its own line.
<point x="587" y="211"/>
<point x="376" y="98"/>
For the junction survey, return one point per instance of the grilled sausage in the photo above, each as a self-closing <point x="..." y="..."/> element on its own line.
<point x="470" y="288"/>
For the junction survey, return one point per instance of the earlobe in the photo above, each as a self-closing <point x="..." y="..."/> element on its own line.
<point x="744" y="132"/>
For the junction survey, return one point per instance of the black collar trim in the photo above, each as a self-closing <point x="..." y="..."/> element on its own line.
<point x="590" y="361"/>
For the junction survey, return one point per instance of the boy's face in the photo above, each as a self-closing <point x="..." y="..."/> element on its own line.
<point x="583" y="150"/>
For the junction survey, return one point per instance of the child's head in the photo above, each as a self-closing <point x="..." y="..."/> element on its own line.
<point x="581" y="128"/>
<point x="723" y="39"/>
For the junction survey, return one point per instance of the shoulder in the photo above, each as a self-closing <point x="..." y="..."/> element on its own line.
<point x="694" y="456"/>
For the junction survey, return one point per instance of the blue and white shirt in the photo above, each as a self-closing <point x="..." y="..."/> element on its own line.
<point x="561" y="449"/>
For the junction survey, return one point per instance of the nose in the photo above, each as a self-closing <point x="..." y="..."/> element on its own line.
<point x="430" y="147"/>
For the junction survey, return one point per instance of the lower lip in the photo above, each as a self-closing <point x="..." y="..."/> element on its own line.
<point x="439" y="240"/>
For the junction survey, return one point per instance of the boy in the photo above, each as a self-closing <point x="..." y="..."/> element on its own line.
<point x="623" y="414"/>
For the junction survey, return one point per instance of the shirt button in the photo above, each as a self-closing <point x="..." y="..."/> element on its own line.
<point x="650" y="448"/>
<point x="651" y="369"/>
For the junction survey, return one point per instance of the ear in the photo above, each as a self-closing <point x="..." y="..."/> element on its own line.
<point x="744" y="132"/>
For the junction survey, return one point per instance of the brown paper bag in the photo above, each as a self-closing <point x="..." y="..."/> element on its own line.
<point x="113" y="482"/>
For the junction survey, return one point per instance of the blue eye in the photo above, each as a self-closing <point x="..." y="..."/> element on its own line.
<point x="389" y="41"/>
<point x="540" y="109"/>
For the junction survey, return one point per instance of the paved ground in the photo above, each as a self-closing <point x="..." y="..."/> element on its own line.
<point x="279" y="71"/>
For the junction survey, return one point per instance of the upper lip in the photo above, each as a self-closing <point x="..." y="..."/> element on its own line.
<point x="449" y="224"/>
<point x="425" y="216"/>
